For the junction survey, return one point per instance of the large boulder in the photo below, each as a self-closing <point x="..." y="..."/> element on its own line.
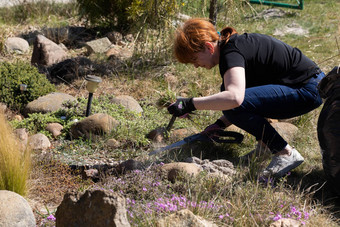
<point x="46" y="52"/>
<point x="48" y="103"/>
<point x="15" y="210"/>
<point x="93" y="126"/>
<point x="92" y="208"/>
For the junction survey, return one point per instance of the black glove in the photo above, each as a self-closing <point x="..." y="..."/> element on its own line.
<point x="181" y="107"/>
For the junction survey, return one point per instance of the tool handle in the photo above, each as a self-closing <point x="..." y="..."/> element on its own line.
<point x="235" y="137"/>
<point x="171" y="123"/>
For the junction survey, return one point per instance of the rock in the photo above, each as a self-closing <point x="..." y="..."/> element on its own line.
<point x="92" y="208"/>
<point x="157" y="135"/>
<point x="3" y="107"/>
<point x="172" y="170"/>
<point x="271" y="13"/>
<point x="48" y="103"/>
<point x="112" y="143"/>
<point x="129" y="165"/>
<point x="286" y="222"/>
<point x="91" y="174"/>
<point x="46" y="52"/>
<point x="115" y="37"/>
<point x="128" y="102"/>
<point x="118" y="52"/>
<point x="93" y="126"/>
<point x="39" y="142"/>
<point x="219" y="168"/>
<point x="98" y="45"/>
<point x="184" y="218"/>
<point x="22" y="135"/>
<point x="75" y="68"/>
<point x="287" y="130"/>
<point x="16" y="45"/>
<point x="17" y="117"/>
<point x="57" y="35"/>
<point x="54" y="129"/>
<point x="15" y="210"/>
<point x="293" y="28"/>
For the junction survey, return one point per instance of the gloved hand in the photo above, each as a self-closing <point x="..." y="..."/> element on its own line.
<point x="211" y="129"/>
<point x="181" y="107"/>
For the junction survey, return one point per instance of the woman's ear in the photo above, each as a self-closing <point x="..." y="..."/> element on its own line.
<point x="210" y="47"/>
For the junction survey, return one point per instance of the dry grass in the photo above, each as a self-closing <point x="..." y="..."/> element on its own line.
<point x="15" y="163"/>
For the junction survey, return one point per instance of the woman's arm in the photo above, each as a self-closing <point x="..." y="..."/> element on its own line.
<point x="234" y="82"/>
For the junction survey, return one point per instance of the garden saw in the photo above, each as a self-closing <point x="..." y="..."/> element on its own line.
<point x="220" y="136"/>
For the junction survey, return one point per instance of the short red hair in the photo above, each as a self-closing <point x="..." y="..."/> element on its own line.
<point x="192" y="36"/>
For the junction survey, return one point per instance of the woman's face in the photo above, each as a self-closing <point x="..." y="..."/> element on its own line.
<point x="205" y="58"/>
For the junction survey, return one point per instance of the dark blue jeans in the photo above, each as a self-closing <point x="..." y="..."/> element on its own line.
<point x="277" y="102"/>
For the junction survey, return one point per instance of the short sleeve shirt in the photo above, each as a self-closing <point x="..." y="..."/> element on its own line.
<point x="266" y="60"/>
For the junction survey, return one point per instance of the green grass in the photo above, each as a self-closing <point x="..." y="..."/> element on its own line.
<point x="240" y="201"/>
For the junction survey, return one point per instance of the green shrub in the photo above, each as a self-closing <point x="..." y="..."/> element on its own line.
<point x="126" y="14"/>
<point x="12" y="75"/>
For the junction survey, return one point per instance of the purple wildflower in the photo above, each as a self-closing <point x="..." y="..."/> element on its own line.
<point x="277" y="217"/>
<point x="51" y="217"/>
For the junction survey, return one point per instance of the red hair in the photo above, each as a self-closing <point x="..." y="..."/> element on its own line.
<point x="192" y="36"/>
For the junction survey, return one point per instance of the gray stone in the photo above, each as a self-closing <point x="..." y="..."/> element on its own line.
<point x="128" y="102"/>
<point x="15" y="211"/>
<point x="98" y="45"/>
<point x="184" y="218"/>
<point x="92" y="208"/>
<point x="46" y="52"/>
<point x="93" y="126"/>
<point x="17" y="45"/>
<point x="57" y="35"/>
<point x="39" y="142"/>
<point x="48" y="103"/>
<point x="219" y="167"/>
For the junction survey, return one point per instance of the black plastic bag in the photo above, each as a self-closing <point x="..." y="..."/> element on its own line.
<point x="329" y="127"/>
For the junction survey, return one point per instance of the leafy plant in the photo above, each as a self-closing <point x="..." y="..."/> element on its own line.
<point x="13" y="75"/>
<point x="126" y="14"/>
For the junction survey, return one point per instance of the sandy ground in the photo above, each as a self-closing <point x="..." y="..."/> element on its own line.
<point x="8" y="3"/>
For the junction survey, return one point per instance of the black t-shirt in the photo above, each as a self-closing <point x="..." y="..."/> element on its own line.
<point x="266" y="60"/>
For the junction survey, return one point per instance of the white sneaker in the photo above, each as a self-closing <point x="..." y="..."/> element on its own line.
<point x="260" y="150"/>
<point x="282" y="164"/>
